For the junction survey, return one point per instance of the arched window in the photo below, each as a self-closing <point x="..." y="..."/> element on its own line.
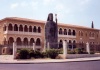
<point x="18" y="41"/>
<point x="38" y="42"/>
<point x="10" y="41"/>
<point x="34" y="29"/>
<point x="25" y="42"/>
<point x="90" y="34"/>
<point x="69" y="32"/>
<point x="32" y="41"/>
<point x="74" y="44"/>
<point x="60" y="31"/>
<point x="60" y="44"/>
<point x="65" y="31"/>
<point x="81" y="33"/>
<point x="39" y="30"/>
<point x="10" y="27"/>
<point x="15" y="27"/>
<point x="74" y="33"/>
<point x="25" y="28"/>
<point x="20" y="28"/>
<point x="30" y="28"/>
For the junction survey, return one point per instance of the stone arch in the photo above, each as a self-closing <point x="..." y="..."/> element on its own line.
<point x="30" y="28"/>
<point x="25" y="41"/>
<point x="70" y="44"/>
<point x="25" y="28"/>
<point x="18" y="41"/>
<point x="60" y="44"/>
<point x="74" y="32"/>
<point x="60" y="31"/>
<point x="81" y="33"/>
<point x="10" y="41"/>
<point x="32" y="41"/>
<point x="15" y="27"/>
<point x="34" y="29"/>
<point x="69" y="32"/>
<point x="39" y="29"/>
<point x="20" y="28"/>
<point x="74" y="44"/>
<point x="38" y="42"/>
<point x="10" y="27"/>
<point x="65" y="31"/>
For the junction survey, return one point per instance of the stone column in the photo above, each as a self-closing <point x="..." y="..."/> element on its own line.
<point x="88" y="48"/>
<point x="64" y="49"/>
<point x="44" y="49"/>
<point x="48" y="46"/>
<point x="14" y="50"/>
<point x="34" y="46"/>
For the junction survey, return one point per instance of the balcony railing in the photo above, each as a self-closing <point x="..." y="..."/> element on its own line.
<point x="69" y="36"/>
<point x="21" y="33"/>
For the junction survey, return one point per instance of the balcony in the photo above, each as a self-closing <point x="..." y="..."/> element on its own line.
<point x="69" y="36"/>
<point x="91" y="37"/>
<point x="22" y="33"/>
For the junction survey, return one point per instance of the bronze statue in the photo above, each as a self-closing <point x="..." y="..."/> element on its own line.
<point x="51" y="32"/>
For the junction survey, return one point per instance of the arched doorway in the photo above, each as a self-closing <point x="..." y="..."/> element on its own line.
<point x="10" y="41"/>
<point x="38" y="42"/>
<point x="18" y="41"/>
<point x="32" y="41"/>
<point x="60" y="44"/>
<point x="20" y="28"/>
<point x="10" y="27"/>
<point x="15" y="27"/>
<point x="25" y="42"/>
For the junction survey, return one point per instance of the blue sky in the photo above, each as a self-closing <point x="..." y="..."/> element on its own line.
<point x="76" y="12"/>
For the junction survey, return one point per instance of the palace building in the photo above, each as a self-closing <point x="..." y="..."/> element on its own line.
<point x="25" y="32"/>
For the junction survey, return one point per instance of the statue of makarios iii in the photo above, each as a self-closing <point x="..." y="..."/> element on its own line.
<point x="51" y="32"/>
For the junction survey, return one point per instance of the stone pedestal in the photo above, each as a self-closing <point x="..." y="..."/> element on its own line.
<point x="64" y="49"/>
<point x="34" y="46"/>
<point x="48" y="46"/>
<point x="88" y="48"/>
<point x="14" y="50"/>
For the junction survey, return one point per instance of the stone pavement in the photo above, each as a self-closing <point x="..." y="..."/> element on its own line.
<point x="9" y="59"/>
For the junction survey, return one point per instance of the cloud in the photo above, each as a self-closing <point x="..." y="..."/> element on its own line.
<point x="13" y="6"/>
<point x="84" y="2"/>
<point x="31" y="4"/>
<point x="47" y="2"/>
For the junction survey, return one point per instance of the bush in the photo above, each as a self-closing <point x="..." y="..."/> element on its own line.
<point x="91" y="52"/>
<point x="71" y="52"/>
<point x="24" y="54"/>
<point x="78" y="51"/>
<point x="52" y="53"/>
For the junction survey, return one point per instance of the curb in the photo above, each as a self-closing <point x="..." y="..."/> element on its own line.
<point x="63" y="61"/>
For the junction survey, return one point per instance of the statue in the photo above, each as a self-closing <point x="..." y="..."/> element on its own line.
<point x="51" y="32"/>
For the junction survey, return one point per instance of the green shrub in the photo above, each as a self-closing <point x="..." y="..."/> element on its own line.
<point x="71" y="52"/>
<point x="78" y="51"/>
<point x="31" y="53"/>
<point x="91" y="52"/>
<point x="52" y="53"/>
<point x="24" y="54"/>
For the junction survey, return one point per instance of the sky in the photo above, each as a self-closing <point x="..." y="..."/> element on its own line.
<point x="75" y="12"/>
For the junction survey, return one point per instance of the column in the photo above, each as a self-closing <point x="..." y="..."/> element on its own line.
<point x="34" y="46"/>
<point x="48" y="46"/>
<point x="64" y="49"/>
<point x="14" y="50"/>
<point x="87" y="48"/>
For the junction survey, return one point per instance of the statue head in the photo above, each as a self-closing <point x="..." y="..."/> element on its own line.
<point x="50" y="17"/>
